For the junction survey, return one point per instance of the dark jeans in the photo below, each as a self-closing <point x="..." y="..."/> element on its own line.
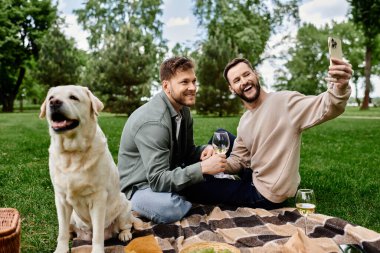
<point x="239" y="192"/>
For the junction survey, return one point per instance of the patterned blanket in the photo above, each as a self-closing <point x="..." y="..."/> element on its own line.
<point x="250" y="230"/>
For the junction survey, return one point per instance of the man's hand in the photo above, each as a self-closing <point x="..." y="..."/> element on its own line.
<point x="339" y="73"/>
<point x="214" y="165"/>
<point x="207" y="152"/>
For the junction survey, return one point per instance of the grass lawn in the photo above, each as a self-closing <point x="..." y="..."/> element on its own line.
<point x="340" y="160"/>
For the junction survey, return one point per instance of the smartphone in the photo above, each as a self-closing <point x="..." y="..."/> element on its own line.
<point x="335" y="48"/>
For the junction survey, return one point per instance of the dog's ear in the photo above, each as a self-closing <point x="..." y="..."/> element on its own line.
<point x="43" y="109"/>
<point x="96" y="104"/>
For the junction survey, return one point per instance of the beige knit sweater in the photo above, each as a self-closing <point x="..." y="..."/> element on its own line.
<point x="269" y="137"/>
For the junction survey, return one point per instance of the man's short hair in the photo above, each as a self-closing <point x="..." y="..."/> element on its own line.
<point x="174" y="64"/>
<point x="233" y="63"/>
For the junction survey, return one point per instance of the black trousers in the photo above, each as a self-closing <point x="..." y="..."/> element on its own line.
<point x="239" y="192"/>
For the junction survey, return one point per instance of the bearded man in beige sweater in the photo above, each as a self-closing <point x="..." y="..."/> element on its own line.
<point x="269" y="133"/>
<point x="266" y="151"/>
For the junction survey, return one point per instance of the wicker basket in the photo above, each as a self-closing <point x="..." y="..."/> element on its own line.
<point x="206" y="245"/>
<point x="10" y="230"/>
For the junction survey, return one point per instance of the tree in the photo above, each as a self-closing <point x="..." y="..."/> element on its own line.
<point x="214" y="96"/>
<point x="104" y="18"/>
<point x="181" y="50"/>
<point x="127" y="44"/>
<point x="122" y="70"/>
<point x="307" y="67"/>
<point x="365" y="13"/>
<point x="60" y="62"/>
<point x="245" y="23"/>
<point x="22" y="25"/>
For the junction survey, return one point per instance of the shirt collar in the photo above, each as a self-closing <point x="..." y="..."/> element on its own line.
<point x="173" y="112"/>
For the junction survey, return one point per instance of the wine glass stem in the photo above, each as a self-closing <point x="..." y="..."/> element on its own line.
<point x="306" y="224"/>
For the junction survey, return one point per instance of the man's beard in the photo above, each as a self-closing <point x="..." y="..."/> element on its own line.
<point x="255" y="97"/>
<point x="181" y="101"/>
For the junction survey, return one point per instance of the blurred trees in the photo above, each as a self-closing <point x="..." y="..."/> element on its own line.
<point x="309" y="59"/>
<point x="123" y="70"/>
<point x="306" y="69"/>
<point x="214" y="96"/>
<point x="127" y="46"/>
<point x="60" y="62"/>
<point x="365" y="14"/>
<point x="22" y="25"/>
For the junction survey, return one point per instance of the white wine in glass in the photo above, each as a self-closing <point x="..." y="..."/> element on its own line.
<point x="305" y="203"/>
<point x="221" y="144"/>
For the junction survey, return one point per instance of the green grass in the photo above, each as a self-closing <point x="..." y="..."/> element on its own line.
<point x="339" y="160"/>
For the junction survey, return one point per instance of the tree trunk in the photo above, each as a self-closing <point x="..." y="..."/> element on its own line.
<point x="9" y="99"/>
<point x="367" y="73"/>
<point x="357" y="92"/>
<point x="8" y="104"/>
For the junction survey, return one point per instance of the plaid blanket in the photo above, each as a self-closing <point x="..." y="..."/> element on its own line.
<point x="250" y="230"/>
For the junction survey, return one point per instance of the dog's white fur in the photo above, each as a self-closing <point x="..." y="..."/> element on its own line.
<point x="82" y="170"/>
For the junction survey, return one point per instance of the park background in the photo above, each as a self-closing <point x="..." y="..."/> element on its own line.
<point x="339" y="159"/>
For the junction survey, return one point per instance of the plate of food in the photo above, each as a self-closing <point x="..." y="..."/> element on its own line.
<point x="210" y="247"/>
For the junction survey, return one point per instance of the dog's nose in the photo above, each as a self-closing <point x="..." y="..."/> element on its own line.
<point x="55" y="104"/>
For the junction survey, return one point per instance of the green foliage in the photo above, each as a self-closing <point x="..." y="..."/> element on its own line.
<point x="365" y="14"/>
<point x="214" y="96"/>
<point x="60" y="61"/>
<point x="246" y="24"/>
<point x="31" y="91"/>
<point x="105" y="18"/>
<point x="309" y="60"/>
<point x="22" y="24"/>
<point x="308" y="64"/>
<point x="126" y="38"/>
<point x="181" y="50"/>
<point x="124" y="69"/>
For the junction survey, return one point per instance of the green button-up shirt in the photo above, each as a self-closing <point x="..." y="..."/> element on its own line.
<point x="150" y="156"/>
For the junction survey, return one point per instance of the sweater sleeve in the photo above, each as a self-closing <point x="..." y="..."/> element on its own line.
<point x="238" y="158"/>
<point x="153" y="142"/>
<point x="308" y="111"/>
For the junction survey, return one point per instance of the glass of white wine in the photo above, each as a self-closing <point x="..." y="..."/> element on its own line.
<point x="221" y="144"/>
<point x="305" y="203"/>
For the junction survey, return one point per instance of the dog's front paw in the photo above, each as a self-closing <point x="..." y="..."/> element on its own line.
<point x="125" y="235"/>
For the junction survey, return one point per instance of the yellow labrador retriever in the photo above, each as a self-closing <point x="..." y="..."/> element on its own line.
<point x="82" y="170"/>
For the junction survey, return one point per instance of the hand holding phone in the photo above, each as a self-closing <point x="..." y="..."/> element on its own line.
<point x="335" y="48"/>
<point x="338" y="75"/>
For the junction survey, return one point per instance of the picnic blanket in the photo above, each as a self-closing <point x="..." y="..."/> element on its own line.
<point x="249" y="229"/>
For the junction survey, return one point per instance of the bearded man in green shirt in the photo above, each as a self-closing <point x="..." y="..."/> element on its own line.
<point x="157" y="156"/>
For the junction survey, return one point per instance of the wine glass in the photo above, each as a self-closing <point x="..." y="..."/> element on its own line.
<point x="221" y="144"/>
<point x="305" y="203"/>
